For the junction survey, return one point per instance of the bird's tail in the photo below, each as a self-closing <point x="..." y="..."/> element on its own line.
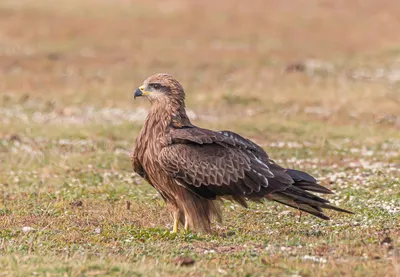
<point x="298" y="197"/>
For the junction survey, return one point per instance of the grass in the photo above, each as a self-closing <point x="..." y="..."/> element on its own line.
<point x="71" y="205"/>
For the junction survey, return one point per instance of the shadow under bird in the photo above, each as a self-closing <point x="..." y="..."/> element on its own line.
<point x="194" y="168"/>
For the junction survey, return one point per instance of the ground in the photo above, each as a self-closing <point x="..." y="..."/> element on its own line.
<point x="314" y="83"/>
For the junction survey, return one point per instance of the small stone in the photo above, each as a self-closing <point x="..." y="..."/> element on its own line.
<point x="295" y="67"/>
<point x="386" y="240"/>
<point x="15" y="137"/>
<point x="27" y="229"/>
<point x="184" y="261"/>
<point x="77" y="203"/>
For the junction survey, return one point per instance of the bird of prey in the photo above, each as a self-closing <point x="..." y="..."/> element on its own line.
<point x="193" y="169"/>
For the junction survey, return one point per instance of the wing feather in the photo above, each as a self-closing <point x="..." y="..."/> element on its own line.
<point x="216" y="168"/>
<point x="213" y="164"/>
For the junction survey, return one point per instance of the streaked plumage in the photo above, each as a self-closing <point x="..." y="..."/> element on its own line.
<point x="193" y="168"/>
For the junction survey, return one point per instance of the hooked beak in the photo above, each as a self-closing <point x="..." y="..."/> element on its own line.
<point x="138" y="92"/>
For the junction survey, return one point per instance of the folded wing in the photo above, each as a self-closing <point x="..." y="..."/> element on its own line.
<point x="213" y="164"/>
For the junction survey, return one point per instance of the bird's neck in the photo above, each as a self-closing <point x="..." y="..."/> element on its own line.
<point x="164" y="115"/>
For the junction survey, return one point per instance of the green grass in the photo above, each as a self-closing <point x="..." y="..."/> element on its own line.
<point x="46" y="175"/>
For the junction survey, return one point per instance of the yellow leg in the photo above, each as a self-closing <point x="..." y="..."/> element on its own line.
<point x="176" y="223"/>
<point x="186" y="224"/>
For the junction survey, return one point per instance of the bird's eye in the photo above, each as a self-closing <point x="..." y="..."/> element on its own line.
<point x="156" y="86"/>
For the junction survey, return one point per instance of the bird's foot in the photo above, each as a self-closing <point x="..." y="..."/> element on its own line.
<point x="187" y="228"/>
<point x="176" y="225"/>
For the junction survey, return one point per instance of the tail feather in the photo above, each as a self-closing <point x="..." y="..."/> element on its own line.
<point x="306" y="181"/>
<point x="313" y="187"/>
<point x="283" y="199"/>
<point x="304" y="200"/>
<point x="298" y="197"/>
<point x="296" y="191"/>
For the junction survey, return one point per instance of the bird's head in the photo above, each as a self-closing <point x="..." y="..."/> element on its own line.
<point x="161" y="88"/>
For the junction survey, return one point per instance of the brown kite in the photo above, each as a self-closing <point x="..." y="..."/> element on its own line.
<point x="192" y="168"/>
